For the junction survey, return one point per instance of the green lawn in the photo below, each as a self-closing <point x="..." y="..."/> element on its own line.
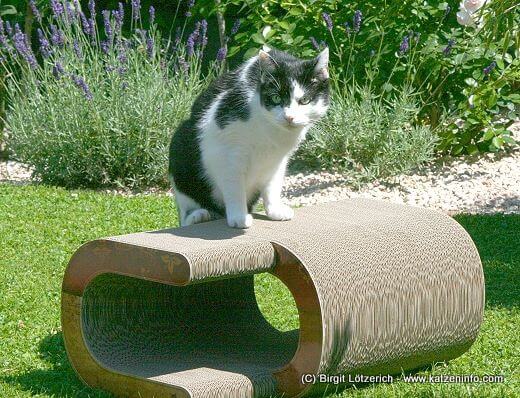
<point x="40" y="227"/>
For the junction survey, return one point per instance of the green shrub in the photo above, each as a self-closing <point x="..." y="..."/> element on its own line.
<point x="446" y="77"/>
<point x="369" y="137"/>
<point x="99" y="109"/>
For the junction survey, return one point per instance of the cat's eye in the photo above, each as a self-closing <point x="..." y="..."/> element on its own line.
<point x="304" y="100"/>
<point x="276" y="99"/>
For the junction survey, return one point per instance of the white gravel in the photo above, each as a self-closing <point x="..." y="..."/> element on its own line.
<point x="14" y="172"/>
<point x="488" y="184"/>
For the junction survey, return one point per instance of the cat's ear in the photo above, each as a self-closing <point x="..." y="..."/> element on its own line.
<point x="321" y="67"/>
<point x="267" y="64"/>
<point x="266" y="61"/>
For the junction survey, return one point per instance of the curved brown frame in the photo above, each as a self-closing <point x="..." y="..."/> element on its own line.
<point x="106" y="256"/>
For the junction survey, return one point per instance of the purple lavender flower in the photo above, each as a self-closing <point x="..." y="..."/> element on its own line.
<point x="136" y="9"/>
<point x="92" y="8"/>
<point x="193" y="39"/>
<point x="106" y="22"/>
<point x="487" y="70"/>
<point x="323" y="44"/>
<point x="151" y="12"/>
<point x="22" y="46"/>
<point x="77" y="49"/>
<point x="221" y="54"/>
<point x="88" y="28"/>
<point x="328" y="21"/>
<point x="448" y="48"/>
<point x="3" y="37"/>
<point x="203" y="38"/>
<point x="190" y="46"/>
<point x="56" y="37"/>
<point x="196" y="31"/>
<point x="177" y="39"/>
<point x="105" y="46"/>
<point x="17" y="29"/>
<point x="45" y="46"/>
<point x="8" y="28"/>
<point x="119" y="16"/>
<point x="149" y="45"/>
<point x="405" y="45"/>
<point x="57" y="8"/>
<point x="347" y="28"/>
<point x="235" y="27"/>
<point x="57" y="70"/>
<point x="184" y="66"/>
<point x="70" y="12"/>
<point x="190" y="5"/>
<point x="35" y="11"/>
<point x="356" y="21"/>
<point x="82" y="84"/>
<point x="121" y="55"/>
<point x="314" y="43"/>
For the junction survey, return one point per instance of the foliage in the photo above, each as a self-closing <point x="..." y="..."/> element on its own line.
<point x="373" y="136"/>
<point x="92" y="107"/>
<point x="391" y="44"/>
<point x="42" y="226"/>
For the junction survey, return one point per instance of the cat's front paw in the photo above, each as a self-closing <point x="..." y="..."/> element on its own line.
<point x="280" y="213"/>
<point x="240" y="220"/>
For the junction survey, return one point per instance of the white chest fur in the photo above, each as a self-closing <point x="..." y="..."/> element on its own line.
<point x="249" y="151"/>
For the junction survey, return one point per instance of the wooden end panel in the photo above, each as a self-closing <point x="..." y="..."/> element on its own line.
<point x="306" y="360"/>
<point x="106" y="256"/>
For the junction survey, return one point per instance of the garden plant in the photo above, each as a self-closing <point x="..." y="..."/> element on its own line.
<point x="463" y="63"/>
<point x="91" y="107"/>
<point x="410" y="81"/>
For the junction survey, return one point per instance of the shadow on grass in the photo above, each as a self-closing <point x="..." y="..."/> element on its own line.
<point x="59" y="380"/>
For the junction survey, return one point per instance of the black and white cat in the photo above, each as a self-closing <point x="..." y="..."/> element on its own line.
<point x="242" y="130"/>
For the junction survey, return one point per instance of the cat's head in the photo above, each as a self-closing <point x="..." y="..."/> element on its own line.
<point x="293" y="92"/>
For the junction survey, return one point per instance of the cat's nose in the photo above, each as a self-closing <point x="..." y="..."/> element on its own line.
<point x="290" y="119"/>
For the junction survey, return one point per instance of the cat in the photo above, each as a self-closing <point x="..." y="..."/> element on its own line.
<point x="242" y="130"/>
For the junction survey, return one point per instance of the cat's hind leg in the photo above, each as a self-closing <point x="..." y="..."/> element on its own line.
<point x="190" y="212"/>
<point x="197" y="216"/>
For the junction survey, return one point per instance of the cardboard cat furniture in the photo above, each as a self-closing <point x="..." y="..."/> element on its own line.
<point x="380" y="288"/>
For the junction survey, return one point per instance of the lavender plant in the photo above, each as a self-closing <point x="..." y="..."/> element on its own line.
<point x="91" y="107"/>
<point x="367" y="138"/>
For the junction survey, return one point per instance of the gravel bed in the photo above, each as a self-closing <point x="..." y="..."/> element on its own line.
<point x="487" y="184"/>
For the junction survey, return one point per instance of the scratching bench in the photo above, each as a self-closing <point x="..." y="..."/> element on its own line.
<point x="380" y="288"/>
